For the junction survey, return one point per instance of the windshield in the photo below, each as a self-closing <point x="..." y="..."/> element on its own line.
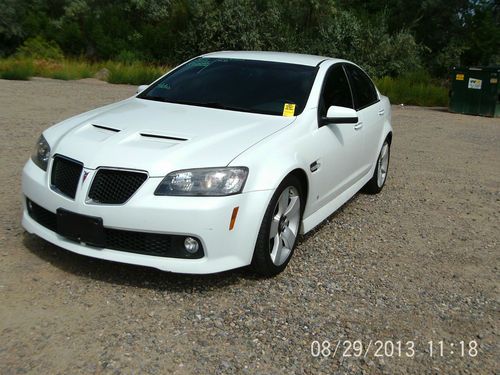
<point x="240" y="85"/>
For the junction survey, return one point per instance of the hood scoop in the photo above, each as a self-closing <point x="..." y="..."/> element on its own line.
<point x="96" y="133"/>
<point x="165" y="137"/>
<point x="106" y="128"/>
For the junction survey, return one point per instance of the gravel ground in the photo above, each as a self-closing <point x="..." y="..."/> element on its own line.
<point x="418" y="262"/>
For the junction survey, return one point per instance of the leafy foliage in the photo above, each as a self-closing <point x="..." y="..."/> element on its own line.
<point x="67" y="69"/>
<point x="16" y="69"/>
<point x="39" y="48"/>
<point x="451" y="32"/>
<point x="135" y="74"/>
<point x="416" y="88"/>
<point x="347" y="37"/>
<point x="387" y="38"/>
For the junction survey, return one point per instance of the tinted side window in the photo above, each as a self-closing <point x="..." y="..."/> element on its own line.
<point x="336" y="90"/>
<point x="363" y="89"/>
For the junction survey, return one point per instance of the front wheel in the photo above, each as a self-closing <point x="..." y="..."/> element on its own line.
<point x="377" y="181"/>
<point x="279" y="229"/>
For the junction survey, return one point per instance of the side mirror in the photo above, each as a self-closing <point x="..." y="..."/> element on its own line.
<point x="340" y="115"/>
<point x="141" y="88"/>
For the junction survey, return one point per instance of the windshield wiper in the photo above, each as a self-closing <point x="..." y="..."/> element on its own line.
<point x="216" y="105"/>
<point x="151" y="97"/>
<point x="201" y="104"/>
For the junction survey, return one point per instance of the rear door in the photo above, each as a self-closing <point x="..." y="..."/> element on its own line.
<point x="370" y="114"/>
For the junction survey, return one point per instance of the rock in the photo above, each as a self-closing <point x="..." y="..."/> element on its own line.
<point x="102" y="74"/>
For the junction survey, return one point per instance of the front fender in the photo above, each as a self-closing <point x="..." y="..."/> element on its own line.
<point x="274" y="158"/>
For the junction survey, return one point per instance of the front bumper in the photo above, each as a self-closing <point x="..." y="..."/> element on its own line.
<point x="205" y="218"/>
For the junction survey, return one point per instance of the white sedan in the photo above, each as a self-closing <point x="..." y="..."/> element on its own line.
<point x="219" y="164"/>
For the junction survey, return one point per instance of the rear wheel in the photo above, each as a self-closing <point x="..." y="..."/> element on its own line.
<point x="279" y="229"/>
<point x="377" y="181"/>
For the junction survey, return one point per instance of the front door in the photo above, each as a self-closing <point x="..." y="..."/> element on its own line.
<point x="339" y="147"/>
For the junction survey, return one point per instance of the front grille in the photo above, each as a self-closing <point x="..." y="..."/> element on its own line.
<point x="65" y="176"/>
<point x="114" y="186"/>
<point x="162" y="245"/>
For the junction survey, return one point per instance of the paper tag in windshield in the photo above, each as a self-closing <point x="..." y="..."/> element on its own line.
<point x="288" y="109"/>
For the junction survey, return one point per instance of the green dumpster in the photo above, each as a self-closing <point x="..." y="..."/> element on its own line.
<point x="475" y="91"/>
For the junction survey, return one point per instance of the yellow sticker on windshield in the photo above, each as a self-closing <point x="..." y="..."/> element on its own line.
<point x="288" y="109"/>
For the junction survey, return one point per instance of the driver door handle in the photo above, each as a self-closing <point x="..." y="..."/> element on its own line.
<point x="358" y="126"/>
<point x="381" y="112"/>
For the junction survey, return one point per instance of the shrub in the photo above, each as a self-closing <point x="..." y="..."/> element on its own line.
<point x="127" y="57"/>
<point x="229" y="24"/>
<point x="415" y="88"/>
<point x="64" y="69"/>
<point x="344" y="35"/>
<point x="39" y="48"/>
<point x="16" y="69"/>
<point x="133" y="74"/>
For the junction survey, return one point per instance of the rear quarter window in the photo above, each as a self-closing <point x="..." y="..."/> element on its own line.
<point x="364" y="91"/>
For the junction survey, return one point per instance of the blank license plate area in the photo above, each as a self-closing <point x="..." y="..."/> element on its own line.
<point x="80" y="228"/>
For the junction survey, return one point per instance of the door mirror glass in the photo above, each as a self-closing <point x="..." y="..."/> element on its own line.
<point x="340" y="115"/>
<point x="141" y="88"/>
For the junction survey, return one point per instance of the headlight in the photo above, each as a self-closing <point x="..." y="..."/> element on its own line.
<point x="41" y="153"/>
<point x="204" y="182"/>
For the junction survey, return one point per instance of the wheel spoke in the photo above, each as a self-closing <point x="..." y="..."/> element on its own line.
<point x="283" y="202"/>
<point x="384" y="152"/>
<point x="277" y="250"/>
<point x="380" y="177"/>
<point x="383" y="163"/>
<point x="283" y="226"/>
<point x="275" y="222"/>
<point x="288" y="238"/>
<point x="293" y="208"/>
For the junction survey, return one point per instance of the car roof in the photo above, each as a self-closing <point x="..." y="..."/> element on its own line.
<point x="284" y="57"/>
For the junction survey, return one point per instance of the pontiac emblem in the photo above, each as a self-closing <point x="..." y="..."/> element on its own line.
<point x="85" y="174"/>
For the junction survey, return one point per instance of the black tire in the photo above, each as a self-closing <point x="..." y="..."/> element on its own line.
<point x="262" y="262"/>
<point x="373" y="186"/>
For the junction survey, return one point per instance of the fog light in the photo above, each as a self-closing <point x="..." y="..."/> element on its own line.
<point x="191" y="245"/>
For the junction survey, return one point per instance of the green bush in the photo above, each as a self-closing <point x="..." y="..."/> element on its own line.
<point x="127" y="57"/>
<point x="380" y="53"/>
<point x="39" y="48"/>
<point x="70" y="73"/>
<point x="415" y="88"/>
<point x="133" y="74"/>
<point x="64" y="69"/>
<point x="16" y="69"/>
<point x="223" y="25"/>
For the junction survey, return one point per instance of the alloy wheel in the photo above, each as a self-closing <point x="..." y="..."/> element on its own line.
<point x="383" y="163"/>
<point x="284" y="225"/>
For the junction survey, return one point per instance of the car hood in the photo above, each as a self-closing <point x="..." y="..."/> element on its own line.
<point x="160" y="137"/>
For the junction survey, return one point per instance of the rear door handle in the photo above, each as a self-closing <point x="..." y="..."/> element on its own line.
<point x="358" y="126"/>
<point x="381" y="112"/>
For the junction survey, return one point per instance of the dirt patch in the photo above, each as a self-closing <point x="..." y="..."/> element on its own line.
<point x="419" y="262"/>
